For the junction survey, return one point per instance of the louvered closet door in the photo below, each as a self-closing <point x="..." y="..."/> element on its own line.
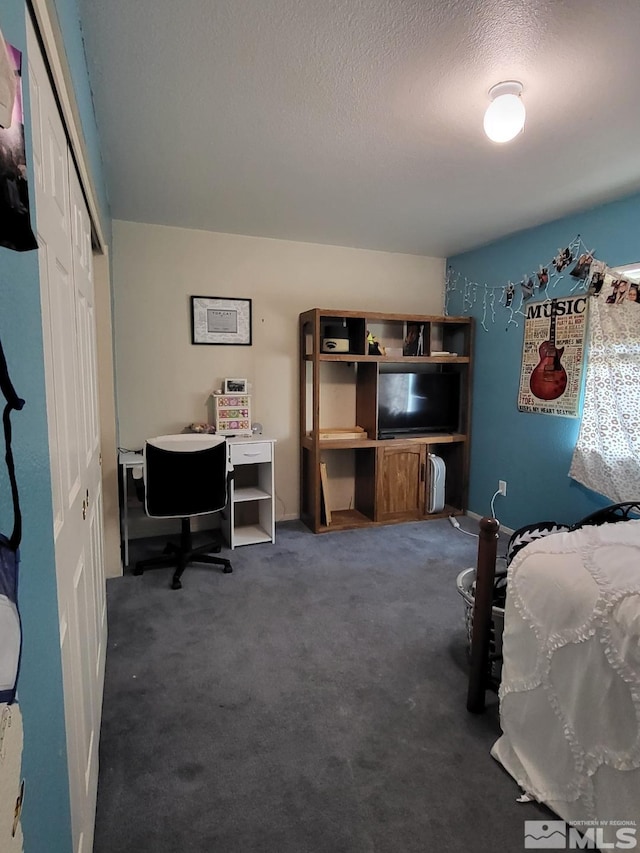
<point x="68" y="318"/>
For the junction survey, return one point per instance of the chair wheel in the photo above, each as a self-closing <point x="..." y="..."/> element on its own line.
<point x="176" y="584"/>
<point x="136" y="570"/>
<point x="227" y="570"/>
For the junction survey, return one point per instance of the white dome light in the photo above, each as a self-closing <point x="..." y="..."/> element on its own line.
<point x="505" y="115"/>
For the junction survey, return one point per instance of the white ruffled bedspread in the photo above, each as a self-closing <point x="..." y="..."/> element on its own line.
<point x="570" y="691"/>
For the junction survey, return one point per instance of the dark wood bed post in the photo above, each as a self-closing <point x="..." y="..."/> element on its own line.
<point x="482" y="611"/>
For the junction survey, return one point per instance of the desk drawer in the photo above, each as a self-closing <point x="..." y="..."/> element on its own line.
<point x="249" y="454"/>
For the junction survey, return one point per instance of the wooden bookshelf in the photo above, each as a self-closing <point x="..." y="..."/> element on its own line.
<point x="369" y="480"/>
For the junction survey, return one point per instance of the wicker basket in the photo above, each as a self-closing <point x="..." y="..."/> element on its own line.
<point x="465" y="583"/>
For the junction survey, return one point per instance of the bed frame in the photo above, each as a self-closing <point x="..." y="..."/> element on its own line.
<point x="480" y="678"/>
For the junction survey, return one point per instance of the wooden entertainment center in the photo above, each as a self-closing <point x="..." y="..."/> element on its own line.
<point x="349" y="476"/>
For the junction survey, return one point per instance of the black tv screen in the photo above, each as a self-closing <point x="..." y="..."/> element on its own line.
<point x="417" y="403"/>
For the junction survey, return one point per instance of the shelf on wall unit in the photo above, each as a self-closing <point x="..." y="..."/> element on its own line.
<point x="385" y="359"/>
<point x="355" y="444"/>
<point x="351" y="444"/>
<point x="446" y="438"/>
<point x="308" y="443"/>
<point x="342" y="434"/>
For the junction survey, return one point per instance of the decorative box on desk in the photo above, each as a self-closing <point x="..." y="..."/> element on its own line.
<point x="232" y="413"/>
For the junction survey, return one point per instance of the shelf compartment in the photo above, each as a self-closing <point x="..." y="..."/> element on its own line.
<point x="353" y="328"/>
<point x="346" y="398"/>
<point x="345" y="519"/>
<point x="351" y="482"/>
<point x="452" y="337"/>
<point x="347" y="443"/>
<point x="252" y="517"/>
<point x="455" y="457"/>
<point x="316" y="325"/>
<point x="389" y="334"/>
<point x="250" y="534"/>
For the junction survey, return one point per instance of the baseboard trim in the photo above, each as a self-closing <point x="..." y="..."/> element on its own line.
<point x="474" y="515"/>
<point x="503" y="528"/>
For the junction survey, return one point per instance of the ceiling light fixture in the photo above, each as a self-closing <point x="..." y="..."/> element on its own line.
<point x="505" y="115"/>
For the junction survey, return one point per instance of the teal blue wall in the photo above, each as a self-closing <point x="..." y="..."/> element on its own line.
<point x="45" y="818"/>
<point x="69" y="19"/>
<point x="531" y="452"/>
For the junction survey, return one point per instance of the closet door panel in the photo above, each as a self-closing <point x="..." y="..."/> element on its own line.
<point x="68" y="317"/>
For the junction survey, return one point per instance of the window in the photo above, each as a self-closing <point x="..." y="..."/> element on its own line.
<point x="607" y="454"/>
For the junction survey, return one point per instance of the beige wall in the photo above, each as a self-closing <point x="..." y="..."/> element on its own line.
<point x="163" y="381"/>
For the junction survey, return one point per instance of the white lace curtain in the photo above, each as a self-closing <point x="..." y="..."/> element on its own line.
<point x="607" y="454"/>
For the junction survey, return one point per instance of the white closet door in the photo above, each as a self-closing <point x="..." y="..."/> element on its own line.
<point x="90" y="430"/>
<point x="68" y="318"/>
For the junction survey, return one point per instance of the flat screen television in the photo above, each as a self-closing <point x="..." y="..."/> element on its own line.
<point x="412" y="403"/>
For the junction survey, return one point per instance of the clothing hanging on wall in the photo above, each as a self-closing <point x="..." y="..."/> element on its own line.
<point x="10" y="627"/>
<point x="7" y="86"/>
<point x="15" y="223"/>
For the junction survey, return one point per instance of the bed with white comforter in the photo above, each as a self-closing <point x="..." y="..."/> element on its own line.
<point x="570" y="690"/>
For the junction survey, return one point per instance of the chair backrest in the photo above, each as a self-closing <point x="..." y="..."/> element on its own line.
<point x="185" y="475"/>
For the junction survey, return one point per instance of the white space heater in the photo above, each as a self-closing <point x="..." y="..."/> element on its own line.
<point x="438" y="472"/>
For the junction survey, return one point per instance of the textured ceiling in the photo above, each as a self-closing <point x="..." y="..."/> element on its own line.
<point x="359" y="122"/>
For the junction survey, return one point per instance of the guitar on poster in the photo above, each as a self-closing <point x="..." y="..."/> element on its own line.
<point x="549" y="378"/>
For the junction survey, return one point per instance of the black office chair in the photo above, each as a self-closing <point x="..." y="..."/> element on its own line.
<point x="184" y="476"/>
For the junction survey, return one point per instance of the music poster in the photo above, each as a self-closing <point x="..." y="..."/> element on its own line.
<point x="553" y="356"/>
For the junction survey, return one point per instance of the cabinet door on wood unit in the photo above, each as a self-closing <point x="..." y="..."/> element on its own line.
<point x="400" y="480"/>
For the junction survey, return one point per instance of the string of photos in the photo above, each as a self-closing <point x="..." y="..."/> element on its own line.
<point x="576" y="260"/>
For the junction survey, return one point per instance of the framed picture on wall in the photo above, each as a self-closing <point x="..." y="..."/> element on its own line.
<point x="217" y="320"/>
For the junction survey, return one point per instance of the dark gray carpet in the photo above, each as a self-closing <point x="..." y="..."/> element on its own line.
<point x="313" y="700"/>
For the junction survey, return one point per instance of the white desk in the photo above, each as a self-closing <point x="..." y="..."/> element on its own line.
<point x="127" y="461"/>
<point x="249" y="517"/>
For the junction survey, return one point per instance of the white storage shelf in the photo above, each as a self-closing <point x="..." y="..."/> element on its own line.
<point x="249" y="517"/>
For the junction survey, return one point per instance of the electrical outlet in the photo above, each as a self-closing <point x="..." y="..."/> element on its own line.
<point x="502" y="487"/>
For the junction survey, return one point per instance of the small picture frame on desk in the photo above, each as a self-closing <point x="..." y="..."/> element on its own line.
<point x="235" y="386"/>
